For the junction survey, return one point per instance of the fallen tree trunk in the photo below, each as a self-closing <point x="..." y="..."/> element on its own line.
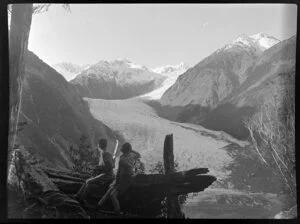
<point x="70" y="175"/>
<point x="139" y="179"/>
<point x="146" y="192"/>
<point x="185" y="181"/>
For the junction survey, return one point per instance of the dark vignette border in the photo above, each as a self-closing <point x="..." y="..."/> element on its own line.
<point x="4" y="85"/>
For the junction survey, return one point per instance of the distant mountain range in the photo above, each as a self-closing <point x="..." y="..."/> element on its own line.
<point x="171" y="72"/>
<point x="118" y="79"/>
<point x="69" y="70"/>
<point x="172" y="69"/>
<point x="231" y="83"/>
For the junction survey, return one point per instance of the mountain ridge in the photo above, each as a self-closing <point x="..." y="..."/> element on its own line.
<point x="217" y="80"/>
<point x="69" y="70"/>
<point x="56" y="116"/>
<point x="166" y="69"/>
<point x="118" y="79"/>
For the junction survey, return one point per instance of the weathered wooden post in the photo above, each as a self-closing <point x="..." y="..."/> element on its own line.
<point x="173" y="206"/>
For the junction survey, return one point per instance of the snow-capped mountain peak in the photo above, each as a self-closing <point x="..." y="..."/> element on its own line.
<point x="137" y="66"/>
<point x="69" y="70"/>
<point x="264" y="40"/>
<point x="243" y="39"/>
<point x="258" y="42"/>
<point x="182" y="65"/>
<point x="116" y="79"/>
<point x="121" y="63"/>
<point x="171" y="72"/>
<point x="167" y="69"/>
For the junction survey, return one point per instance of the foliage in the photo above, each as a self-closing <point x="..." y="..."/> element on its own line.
<point x="20" y="127"/>
<point x="272" y="132"/>
<point x="16" y="159"/>
<point x="15" y="203"/>
<point x="19" y="188"/>
<point x="22" y="184"/>
<point x="19" y="163"/>
<point x="40" y="8"/>
<point x="83" y="157"/>
<point x="54" y="205"/>
<point x="158" y="168"/>
<point x="139" y="167"/>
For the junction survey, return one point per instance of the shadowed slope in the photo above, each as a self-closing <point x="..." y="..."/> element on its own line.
<point x="56" y="115"/>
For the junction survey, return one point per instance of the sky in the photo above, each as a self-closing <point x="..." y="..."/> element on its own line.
<point x="151" y="34"/>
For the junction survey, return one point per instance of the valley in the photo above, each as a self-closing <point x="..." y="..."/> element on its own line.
<point x="229" y="159"/>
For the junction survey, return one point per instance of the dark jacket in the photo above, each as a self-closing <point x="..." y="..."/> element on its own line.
<point x="125" y="171"/>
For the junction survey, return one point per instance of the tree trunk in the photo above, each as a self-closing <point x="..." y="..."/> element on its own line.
<point x="21" y="16"/>
<point x="173" y="206"/>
